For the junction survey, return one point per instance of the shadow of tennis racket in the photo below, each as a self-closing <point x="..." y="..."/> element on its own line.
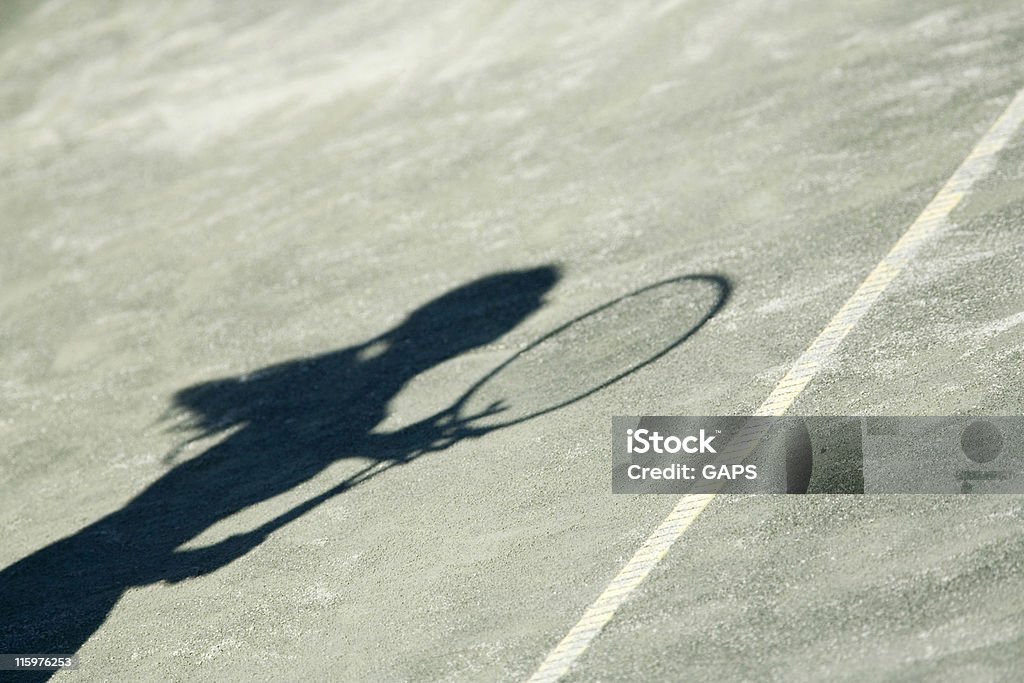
<point x="593" y="351"/>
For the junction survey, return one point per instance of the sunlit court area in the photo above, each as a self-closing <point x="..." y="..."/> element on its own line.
<point x="512" y="341"/>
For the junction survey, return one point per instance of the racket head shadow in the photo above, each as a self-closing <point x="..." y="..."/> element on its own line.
<point x="593" y="351"/>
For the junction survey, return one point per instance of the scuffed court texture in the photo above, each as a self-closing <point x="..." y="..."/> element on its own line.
<point x="252" y="256"/>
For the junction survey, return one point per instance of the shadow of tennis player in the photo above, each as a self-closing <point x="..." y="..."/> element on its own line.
<point x="289" y="422"/>
<point x="292" y="420"/>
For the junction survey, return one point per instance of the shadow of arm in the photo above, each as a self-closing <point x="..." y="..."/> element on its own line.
<point x="190" y="564"/>
<point x="435" y="433"/>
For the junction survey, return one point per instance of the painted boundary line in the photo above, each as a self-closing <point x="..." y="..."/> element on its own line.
<point x="929" y="224"/>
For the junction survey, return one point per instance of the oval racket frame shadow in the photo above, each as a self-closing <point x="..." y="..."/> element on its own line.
<point x="722" y="290"/>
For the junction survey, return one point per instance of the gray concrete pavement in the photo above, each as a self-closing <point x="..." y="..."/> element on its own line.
<point x="195" y="192"/>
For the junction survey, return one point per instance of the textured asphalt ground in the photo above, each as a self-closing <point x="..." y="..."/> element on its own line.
<point x="193" y="192"/>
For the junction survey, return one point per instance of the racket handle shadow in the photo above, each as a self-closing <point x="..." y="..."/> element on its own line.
<point x="363" y="475"/>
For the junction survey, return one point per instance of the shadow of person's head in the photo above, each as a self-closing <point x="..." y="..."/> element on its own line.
<point x="470" y="316"/>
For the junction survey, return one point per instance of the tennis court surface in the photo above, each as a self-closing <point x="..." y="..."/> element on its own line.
<point x="314" y="318"/>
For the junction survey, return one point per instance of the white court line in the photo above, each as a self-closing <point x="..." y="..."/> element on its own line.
<point x="927" y="226"/>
